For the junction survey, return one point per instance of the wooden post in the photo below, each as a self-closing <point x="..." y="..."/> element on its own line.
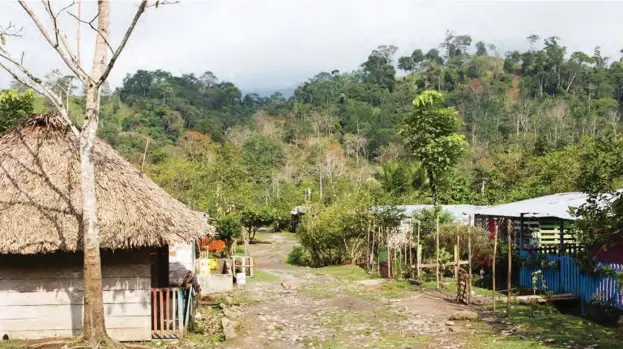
<point x="437" y="246"/>
<point x="378" y="246"/>
<point x="396" y="260"/>
<point x="509" y="230"/>
<point x="418" y="257"/>
<point x="457" y="257"/>
<point x="369" y="257"/>
<point x="495" y="248"/>
<point x="469" y="260"/>
<point x="389" y="257"/>
<point x="411" y="249"/>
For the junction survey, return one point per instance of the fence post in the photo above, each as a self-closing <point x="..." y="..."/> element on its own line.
<point x="437" y="246"/>
<point x="495" y="248"/>
<point x="418" y="257"/>
<point x="509" y="224"/>
<point x="469" y="260"/>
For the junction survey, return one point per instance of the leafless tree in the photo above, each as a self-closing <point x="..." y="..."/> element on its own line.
<point x="94" y="330"/>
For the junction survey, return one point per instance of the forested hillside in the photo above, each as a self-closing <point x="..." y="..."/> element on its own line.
<point x="530" y="119"/>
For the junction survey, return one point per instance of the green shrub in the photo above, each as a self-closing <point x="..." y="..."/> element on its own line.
<point x="298" y="256"/>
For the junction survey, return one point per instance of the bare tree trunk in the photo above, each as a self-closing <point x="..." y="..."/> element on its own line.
<point x="94" y="326"/>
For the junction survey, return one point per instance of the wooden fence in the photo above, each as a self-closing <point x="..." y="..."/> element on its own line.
<point x="562" y="274"/>
<point x="168" y="313"/>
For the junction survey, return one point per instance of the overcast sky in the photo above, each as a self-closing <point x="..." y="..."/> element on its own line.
<point x="277" y="44"/>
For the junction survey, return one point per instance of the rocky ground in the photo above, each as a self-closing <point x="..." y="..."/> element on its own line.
<point x="301" y="308"/>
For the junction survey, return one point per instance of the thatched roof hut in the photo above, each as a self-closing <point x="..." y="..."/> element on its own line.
<point x="41" y="204"/>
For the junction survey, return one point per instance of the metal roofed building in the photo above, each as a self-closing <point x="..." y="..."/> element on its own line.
<point x="460" y="213"/>
<point x="555" y="206"/>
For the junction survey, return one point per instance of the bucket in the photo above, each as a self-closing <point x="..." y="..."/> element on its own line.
<point x="241" y="279"/>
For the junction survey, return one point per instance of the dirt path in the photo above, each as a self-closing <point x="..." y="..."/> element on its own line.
<point x="299" y="308"/>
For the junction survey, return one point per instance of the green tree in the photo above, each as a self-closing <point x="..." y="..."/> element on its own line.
<point x="481" y="49"/>
<point x="14" y="106"/>
<point x="378" y="69"/>
<point x="228" y="229"/>
<point x="601" y="175"/>
<point x="262" y="155"/>
<point x="253" y="218"/>
<point x="432" y="135"/>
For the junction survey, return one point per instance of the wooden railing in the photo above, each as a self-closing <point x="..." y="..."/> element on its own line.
<point x="571" y="249"/>
<point x="168" y="313"/>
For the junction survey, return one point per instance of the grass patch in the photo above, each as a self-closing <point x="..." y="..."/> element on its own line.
<point x="548" y="323"/>
<point x="544" y="327"/>
<point x="202" y="340"/>
<point x="243" y="297"/>
<point x="486" y="338"/>
<point x="12" y="344"/>
<point x="396" y="289"/>
<point x="345" y="272"/>
<point x="318" y="291"/>
<point x="263" y="276"/>
<point x="399" y="342"/>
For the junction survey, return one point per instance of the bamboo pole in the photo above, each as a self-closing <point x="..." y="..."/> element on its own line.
<point x="418" y="257"/>
<point x="378" y="246"/>
<point x="510" y="264"/>
<point x="437" y="247"/>
<point x="411" y="248"/>
<point x="389" y="257"/>
<point x="457" y="256"/>
<point x="495" y="248"/>
<point x="370" y="245"/>
<point x="469" y="258"/>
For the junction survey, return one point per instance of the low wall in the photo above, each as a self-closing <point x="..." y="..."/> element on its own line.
<point x="215" y="283"/>
<point x="42" y="296"/>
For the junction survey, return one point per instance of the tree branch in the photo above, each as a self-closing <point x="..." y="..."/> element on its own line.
<point x="163" y="3"/>
<point x="67" y="58"/>
<point x="35" y="84"/>
<point x="90" y="24"/>
<point x="126" y="37"/>
<point x="60" y="35"/>
<point x="11" y="30"/>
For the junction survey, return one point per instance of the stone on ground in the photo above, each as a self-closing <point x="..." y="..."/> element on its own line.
<point x="228" y="329"/>
<point x="464" y="315"/>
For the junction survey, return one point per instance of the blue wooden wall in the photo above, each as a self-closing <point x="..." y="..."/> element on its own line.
<point x="567" y="278"/>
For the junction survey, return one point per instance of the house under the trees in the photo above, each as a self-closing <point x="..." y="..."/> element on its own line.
<point x="41" y="282"/>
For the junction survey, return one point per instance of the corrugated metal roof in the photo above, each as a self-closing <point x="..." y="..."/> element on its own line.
<point x="460" y="213"/>
<point x="556" y="205"/>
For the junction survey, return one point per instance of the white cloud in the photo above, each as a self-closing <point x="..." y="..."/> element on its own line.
<point x="280" y="43"/>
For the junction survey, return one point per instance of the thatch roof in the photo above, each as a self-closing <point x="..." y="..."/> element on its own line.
<point x="41" y="203"/>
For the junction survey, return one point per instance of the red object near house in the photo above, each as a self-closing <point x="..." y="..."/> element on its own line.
<point x="613" y="254"/>
<point x="491" y="229"/>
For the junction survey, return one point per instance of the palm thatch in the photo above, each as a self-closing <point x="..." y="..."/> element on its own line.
<point x="41" y="203"/>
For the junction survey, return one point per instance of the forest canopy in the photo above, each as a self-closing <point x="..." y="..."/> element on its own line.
<point x="529" y="118"/>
